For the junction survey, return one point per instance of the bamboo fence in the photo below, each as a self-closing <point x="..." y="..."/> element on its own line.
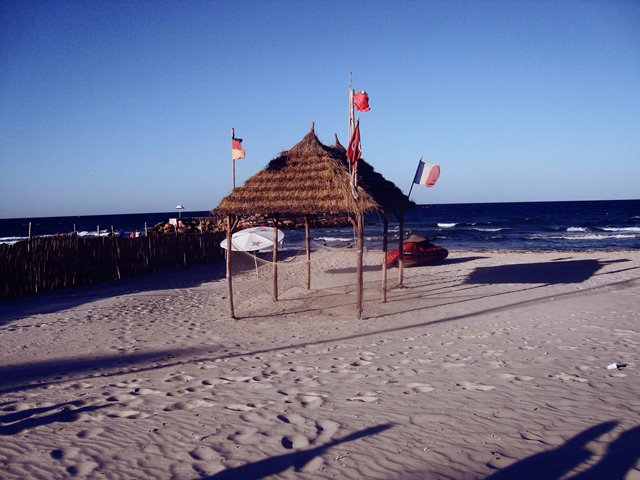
<point x="47" y="263"/>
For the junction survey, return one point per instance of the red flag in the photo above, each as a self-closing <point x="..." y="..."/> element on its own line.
<point x="236" y="148"/>
<point x="353" y="149"/>
<point x="361" y="101"/>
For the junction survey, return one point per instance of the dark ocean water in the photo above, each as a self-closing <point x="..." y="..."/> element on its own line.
<point x="509" y="226"/>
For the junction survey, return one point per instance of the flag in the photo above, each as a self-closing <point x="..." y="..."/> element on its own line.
<point x="426" y="174"/>
<point x="236" y="148"/>
<point x="361" y="101"/>
<point x="353" y="149"/>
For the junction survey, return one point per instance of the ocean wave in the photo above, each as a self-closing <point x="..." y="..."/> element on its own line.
<point x="103" y="233"/>
<point x="333" y="239"/>
<point x="577" y="229"/>
<point x="11" y="240"/>
<point x="621" y="229"/>
<point x="446" y="225"/>
<point x="488" y="229"/>
<point x="588" y="236"/>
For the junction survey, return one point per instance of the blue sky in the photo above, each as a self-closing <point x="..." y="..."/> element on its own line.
<point x="127" y="106"/>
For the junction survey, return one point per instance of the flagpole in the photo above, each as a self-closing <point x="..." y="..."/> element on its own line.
<point x="414" y="178"/>
<point x="233" y="161"/>
<point x="351" y="113"/>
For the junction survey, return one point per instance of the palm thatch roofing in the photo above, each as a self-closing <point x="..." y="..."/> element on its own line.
<point x="313" y="178"/>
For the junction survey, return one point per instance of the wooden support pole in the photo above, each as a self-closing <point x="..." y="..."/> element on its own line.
<point x="116" y="255"/>
<point x="359" y="256"/>
<point x="401" y="250"/>
<point x="229" y="274"/>
<point x="385" y="247"/>
<point x="307" y="242"/>
<point x="233" y="163"/>
<point x="275" y="258"/>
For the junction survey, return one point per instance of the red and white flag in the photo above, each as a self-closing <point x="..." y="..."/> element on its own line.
<point x="426" y="174"/>
<point x="236" y="148"/>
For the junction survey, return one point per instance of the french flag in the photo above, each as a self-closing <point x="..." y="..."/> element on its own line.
<point x="426" y="174"/>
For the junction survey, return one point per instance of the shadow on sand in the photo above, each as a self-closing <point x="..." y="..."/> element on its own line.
<point x="619" y="459"/>
<point x="298" y="459"/>
<point x="378" y="268"/>
<point x="24" y="419"/>
<point x="550" y="273"/>
<point x="18" y="377"/>
<point x="64" y="298"/>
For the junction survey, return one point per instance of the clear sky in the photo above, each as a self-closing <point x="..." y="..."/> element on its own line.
<point x="127" y="106"/>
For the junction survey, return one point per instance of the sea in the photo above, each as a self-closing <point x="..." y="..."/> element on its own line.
<point x="574" y="225"/>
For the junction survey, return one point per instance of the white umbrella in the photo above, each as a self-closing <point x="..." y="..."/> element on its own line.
<point x="254" y="239"/>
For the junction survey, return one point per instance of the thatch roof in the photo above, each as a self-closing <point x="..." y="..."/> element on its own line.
<point x="313" y="178"/>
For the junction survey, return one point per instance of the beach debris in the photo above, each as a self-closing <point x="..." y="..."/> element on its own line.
<point x="616" y="366"/>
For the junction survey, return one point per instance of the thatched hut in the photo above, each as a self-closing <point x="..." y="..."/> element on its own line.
<point x="312" y="178"/>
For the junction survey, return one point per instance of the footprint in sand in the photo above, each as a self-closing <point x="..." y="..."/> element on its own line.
<point x="310" y="399"/>
<point x="188" y="404"/>
<point x="295" y="441"/>
<point x="418" y="388"/>
<point x="179" y="377"/>
<point x="239" y="407"/>
<point x="129" y="414"/>
<point x="292" y="418"/>
<point x="365" y="397"/>
<point x="243" y="436"/>
<point x="515" y="378"/>
<point x="475" y="386"/>
<point x="565" y="377"/>
<point x="208" y="461"/>
<point x="204" y="453"/>
<point x="326" y="429"/>
<point x="259" y="418"/>
<point x="305" y="399"/>
<point x="206" y="469"/>
<point x="91" y="433"/>
<point x="527" y="435"/>
<point x="82" y="469"/>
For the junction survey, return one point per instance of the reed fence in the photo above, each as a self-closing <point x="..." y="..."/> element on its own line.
<point x="47" y="263"/>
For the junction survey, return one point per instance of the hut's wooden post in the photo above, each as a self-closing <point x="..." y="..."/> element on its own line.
<point x="307" y="242"/>
<point x="385" y="247"/>
<point x="401" y="250"/>
<point x="359" y="255"/>
<point x="275" y="258"/>
<point x="229" y="274"/>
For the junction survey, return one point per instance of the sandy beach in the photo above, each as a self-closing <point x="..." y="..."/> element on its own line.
<point x="489" y="365"/>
